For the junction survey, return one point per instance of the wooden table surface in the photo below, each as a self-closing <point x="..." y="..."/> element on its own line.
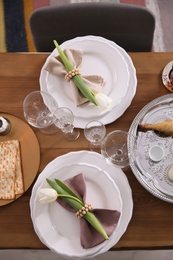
<point x="151" y="225"/>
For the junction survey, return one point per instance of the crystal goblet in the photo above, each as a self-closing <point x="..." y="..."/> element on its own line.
<point x="94" y="132"/>
<point x="64" y="121"/>
<point x="114" y="148"/>
<point x="38" y="108"/>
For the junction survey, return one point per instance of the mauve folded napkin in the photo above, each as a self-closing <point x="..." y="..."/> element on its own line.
<point x="56" y="67"/>
<point x="89" y="236"/>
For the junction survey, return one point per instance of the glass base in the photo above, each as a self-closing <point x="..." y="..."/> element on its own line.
<point x="121" y="163"/>
<point x="73" y="135"/>
<point x="95" y="147"/>
<point x="50" y="130"/>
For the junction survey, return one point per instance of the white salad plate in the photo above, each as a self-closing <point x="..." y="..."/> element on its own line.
<point x="107" y="187"/>
<point x="100" y="57"/>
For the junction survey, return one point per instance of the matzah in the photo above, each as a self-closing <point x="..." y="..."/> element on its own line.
<point x="11" y="179"/>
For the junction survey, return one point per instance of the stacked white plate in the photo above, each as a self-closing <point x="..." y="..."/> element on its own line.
<point x="100" y="57"/>
<point x="107" y="187"/>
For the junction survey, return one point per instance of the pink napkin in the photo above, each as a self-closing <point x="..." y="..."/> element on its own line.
<point x="56" y="67"/>
<point x="90" y="237"/>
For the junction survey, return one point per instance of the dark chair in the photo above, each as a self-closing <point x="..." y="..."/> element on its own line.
<point x="130" y="26"/>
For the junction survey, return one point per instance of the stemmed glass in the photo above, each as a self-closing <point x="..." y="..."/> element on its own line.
<point x="64" y="121"/>
<point x="94" y="132"/>
<point x="38" y="108"/>
<point x="114" y="148"/>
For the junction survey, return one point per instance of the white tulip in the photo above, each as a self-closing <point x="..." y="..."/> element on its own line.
<point x="47" y="195"/>
<point x="103" y="101"/>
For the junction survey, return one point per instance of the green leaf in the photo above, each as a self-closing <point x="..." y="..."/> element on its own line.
<point x="63" y="57"/>
<point x="89" y="216"/>
<point x="67" y="189"/>
<point x="71" y="201"/>
<point x="54" y="186"/>
<point x="78" y="81"/>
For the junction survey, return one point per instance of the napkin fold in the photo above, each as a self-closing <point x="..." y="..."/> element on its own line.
<point x="94" y="82"/>
<point x="89" y="236"/>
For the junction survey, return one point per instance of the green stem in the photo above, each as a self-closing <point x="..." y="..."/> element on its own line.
<point x="70" y="197"/>
<point x="78" y="81"/>
<point x="76" y="203"/>
<point x="65" y="61"/>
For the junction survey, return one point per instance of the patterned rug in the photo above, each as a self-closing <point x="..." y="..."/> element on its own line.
<point x="15" y="35"/>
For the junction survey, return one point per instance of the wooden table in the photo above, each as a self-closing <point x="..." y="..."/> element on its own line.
<point x="151" y="225"/>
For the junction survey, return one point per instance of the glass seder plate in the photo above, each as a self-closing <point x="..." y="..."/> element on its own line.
<point x="152" y="175"/>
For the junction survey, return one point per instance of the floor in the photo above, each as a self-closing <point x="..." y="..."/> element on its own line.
<point x="110" y="255"/>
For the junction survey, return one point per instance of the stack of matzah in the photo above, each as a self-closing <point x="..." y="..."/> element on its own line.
<point x="11" y="178"/>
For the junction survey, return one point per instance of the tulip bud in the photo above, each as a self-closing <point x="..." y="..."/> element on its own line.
<point x="47" y="195"/>
<point x="103" y="101"/>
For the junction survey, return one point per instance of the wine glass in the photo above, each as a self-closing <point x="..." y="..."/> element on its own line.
<point x="114" y="148"/>
<point x="38" y="108"/>
<point x="64" y="121"/>
<point x="94" y="132"/>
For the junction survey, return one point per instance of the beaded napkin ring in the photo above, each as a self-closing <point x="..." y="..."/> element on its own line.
<point x="71" y="74"/>
<point x="80" y="213"/>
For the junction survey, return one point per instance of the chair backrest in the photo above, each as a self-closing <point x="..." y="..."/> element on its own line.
<point x="130" y="26"/>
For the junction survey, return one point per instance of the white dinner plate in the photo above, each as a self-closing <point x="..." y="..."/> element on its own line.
<point x="99" y="58"/>
<point x="101" y="193"/>
<point x="92" y="165"/>
<point x="113" y="63"/>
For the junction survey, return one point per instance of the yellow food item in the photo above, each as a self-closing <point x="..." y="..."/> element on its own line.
<point x="11" y="177"/>
<point x="165" y="127"/>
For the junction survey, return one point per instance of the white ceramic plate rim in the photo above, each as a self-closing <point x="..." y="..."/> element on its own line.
<point x="108" y="196"/>
<point x="120" y="180"/>
<point x="99" y="58"/>
<point x="116" y="112"/>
